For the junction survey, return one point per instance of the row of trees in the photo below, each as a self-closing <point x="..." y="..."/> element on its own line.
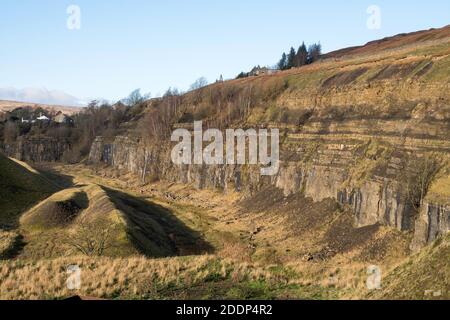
<point x="301" y="57"/>
<point x="294" y="59"/>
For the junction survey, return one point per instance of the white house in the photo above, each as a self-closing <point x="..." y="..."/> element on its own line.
<point x="42" y="118"/>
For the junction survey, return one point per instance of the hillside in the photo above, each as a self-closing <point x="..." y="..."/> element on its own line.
<point x="353" y="130"/>
<point x="11" y="105"/>
<point x="423" y="276"/>
<point x="364" y="157"/>
<point x="21" y="186"/>
<point x="401" y="40"/>
<point x="363" y="181"/>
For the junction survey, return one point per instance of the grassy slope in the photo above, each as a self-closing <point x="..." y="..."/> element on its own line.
<point x="423" y="276"/>
<point x="136" y="226"/>
<point x="20" y="187"/>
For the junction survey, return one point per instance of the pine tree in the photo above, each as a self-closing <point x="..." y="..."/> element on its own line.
<point x="302" y="56"/>
<point x="314" y="52"/>
<point x="282" y="65"/>
<point x="291" y="59"/>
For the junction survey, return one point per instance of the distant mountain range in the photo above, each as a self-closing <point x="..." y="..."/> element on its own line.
<point x="40" y="96"/>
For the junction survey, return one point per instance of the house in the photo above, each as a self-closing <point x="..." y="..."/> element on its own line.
<point x="62" y="118"/>
<point x="258" y="71"/>
<point x="43" y="118"/>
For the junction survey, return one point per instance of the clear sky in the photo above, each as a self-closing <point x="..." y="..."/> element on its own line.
<point x="123" y="45"/>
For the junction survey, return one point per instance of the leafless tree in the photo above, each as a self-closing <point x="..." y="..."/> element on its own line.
<point x="91" y="238"/>
<point x="418" y="176"/>
<point x="199" y="83"/>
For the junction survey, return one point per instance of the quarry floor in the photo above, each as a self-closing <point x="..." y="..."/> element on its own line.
<point x="267" y="229"/>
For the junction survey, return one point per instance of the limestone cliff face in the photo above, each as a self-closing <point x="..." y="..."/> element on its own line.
<point x="434" y="221"/>
<point x="43" y="149"/>
<point x="376" y="200"/>
<point x="348" y="127"/>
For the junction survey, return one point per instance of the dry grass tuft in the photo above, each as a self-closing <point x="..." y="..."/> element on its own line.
<point x="132" y="278"/>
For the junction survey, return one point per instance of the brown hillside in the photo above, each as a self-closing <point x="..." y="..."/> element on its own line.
<point x="397" y="41"/>
<point x="11" y="105"/>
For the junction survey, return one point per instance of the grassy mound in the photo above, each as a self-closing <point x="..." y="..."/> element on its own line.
<point x="58" y="210"/>
<point x="425" y="275"/>
<point x="95" y="221"/>
<point x="20" y="187"/>
<point x="81" y="220"/>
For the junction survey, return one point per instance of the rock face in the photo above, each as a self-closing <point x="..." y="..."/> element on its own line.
<point x="434" y="221"/>
<point x="376" y="200"/>
<point x="349" y="128"/>
<point x="44" y="149"/>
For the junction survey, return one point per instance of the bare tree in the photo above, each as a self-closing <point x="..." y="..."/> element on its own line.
<point x="198" y="84"/>
<point x="419" y="174"/>
<point x="135" y="98"/>
<point x="91" y="238"/>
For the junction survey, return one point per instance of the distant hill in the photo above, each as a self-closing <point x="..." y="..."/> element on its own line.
<point x="394" y="42"/>
<point x="11" y="105"/>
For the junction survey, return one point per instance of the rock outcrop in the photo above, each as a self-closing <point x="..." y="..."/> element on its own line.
<point x="349" y="125"/>
<point x="44" y="149"/>
<point x="433" y="221"/>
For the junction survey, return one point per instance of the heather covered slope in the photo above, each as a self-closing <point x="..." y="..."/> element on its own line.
<point x="400" y="40"/>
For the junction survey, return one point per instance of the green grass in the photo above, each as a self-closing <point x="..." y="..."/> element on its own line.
<point x="20" y="188"/>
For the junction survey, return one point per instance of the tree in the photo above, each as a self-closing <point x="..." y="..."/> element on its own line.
<point x="242" y="75"/>
<point x="314" y="52"/>
<point x="417" y="178"/>
<point x="282" y="64"/>
<point x="92" y="237"/>
<point x="198" y="84"/>
<point x="291" y="59"/>
<point x="301" y="57"/>
<point x="135" y="98"/>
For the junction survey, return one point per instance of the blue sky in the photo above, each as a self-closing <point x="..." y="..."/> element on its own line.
<point x="123" y="45"/>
